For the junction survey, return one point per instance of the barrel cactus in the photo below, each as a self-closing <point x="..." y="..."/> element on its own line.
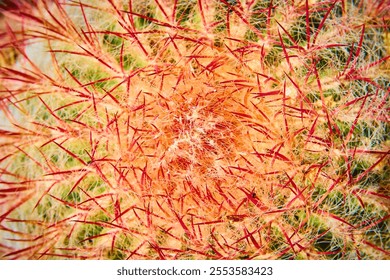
<point x="194" y="129"/>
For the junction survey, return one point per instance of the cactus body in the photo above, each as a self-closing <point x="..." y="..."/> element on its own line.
<point x="202" y="129"/>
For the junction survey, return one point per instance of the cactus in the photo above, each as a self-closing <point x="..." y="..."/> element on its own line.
<point x="175" y="129"/>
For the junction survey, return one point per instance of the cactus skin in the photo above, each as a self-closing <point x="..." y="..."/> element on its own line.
<point x="194" y="130"/>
